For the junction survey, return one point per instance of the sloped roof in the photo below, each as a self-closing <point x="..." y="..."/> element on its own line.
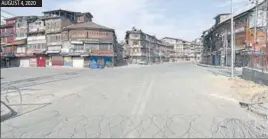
<point x="89" y="25"/>
<point x="173" y="38"/>
<point x="243" y="10"/>
<point x="59" y="10"/>
<point x="87" y="13"/>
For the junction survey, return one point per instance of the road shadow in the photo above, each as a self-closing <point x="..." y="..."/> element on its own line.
<point x="17" y="114"/>
<point x="39" y="80"/>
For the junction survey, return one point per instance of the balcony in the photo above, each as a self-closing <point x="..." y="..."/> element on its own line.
<point x="6" y="34"/>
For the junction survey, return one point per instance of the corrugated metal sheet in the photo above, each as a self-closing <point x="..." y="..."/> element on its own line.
<point x="57" y="61"/>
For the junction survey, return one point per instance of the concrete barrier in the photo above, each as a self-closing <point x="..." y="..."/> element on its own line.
<point x="255" y="75"/>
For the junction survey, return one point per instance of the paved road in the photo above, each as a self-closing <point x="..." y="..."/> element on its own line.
<point x="168" y="100"/>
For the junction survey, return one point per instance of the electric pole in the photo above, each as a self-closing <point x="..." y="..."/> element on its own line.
<point x="232" y="40"/>
<point x="256" y="2"/>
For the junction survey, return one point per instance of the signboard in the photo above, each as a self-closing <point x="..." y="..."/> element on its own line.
<point x="18" y="42"/>
<point x="77" y="42"/>
<point x="99" y="34"/>
<point x="101" y="52"/>
<point x="242" y="29"/>
<point x="98" y="41"/>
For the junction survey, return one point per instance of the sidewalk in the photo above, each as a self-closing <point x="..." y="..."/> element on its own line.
<point x="219" y="67"/>
<point x="213" y="66"/>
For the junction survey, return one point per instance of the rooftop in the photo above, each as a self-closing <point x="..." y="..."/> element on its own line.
<point x="89" y="25"/>
<point x="59" y="10"/>
<point x="173" y="38"/>
<point x="87" y="13"/>
<point x="222" y="14"/>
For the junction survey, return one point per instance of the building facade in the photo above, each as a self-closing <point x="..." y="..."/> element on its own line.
<point x="55" y="21"/>
<point x="198" y="46"/>
<point x="178" y="47"/>
<point x="87" y="43"/>
<point x="36" y="42"/>
<point x="142" y="47"/>
<point x="217" y="40"/>
<point x="7" y="38"/>
<point x="59" y="38"/>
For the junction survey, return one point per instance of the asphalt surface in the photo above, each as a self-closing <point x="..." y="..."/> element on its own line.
<point x="168" y="100"/>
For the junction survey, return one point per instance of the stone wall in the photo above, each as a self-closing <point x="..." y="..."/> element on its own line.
<point x="255" y="75"/>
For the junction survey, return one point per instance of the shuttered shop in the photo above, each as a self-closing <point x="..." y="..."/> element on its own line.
<point x="24" y="62"/>
<point x="57" y="61"/>
<point x="33" y="62"/>
<point x="68" y="61"/>
<point x="78" y="62"/>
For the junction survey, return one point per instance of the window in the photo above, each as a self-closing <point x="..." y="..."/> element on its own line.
<point x="92" y="46"/>
<point x="135" y="42"/>
<point x="103" y="47"/>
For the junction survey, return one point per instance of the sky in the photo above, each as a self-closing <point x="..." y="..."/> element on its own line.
<point x="184" y="19"/>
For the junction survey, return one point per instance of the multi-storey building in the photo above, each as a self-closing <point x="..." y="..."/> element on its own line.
<point x="141" y="46"/>
<point x="20" y="40"/>
<point x="36" y="42"/>
<point x="55" y="20"/>
<point x="197" y="49"/>
<point x="178" y="46"/>
<point x="8" y="33"/>
<point x="217" y="40"/>
<point x="86" y="43"/>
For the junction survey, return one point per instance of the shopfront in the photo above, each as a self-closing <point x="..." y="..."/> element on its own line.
<point x="103" y="58"/>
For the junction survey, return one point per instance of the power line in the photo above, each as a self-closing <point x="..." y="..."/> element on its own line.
<point x="3" y="16"/>
<point x="7" y="12"/>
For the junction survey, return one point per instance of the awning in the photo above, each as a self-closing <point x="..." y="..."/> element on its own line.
<point x="36" y="52"/>
<point x="19" y="42"/>
<point x="52" y="52"/>
<point x="102" y="55"/>
<point x="77" y="42"/>
<point x="20" y="55"/>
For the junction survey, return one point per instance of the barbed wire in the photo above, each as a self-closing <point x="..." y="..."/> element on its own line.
<point x="157" y="126"/>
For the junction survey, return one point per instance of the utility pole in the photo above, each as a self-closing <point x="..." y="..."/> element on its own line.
<point x="149" y="53"/>
<point x="255" y="22"/>
<point x="266" y="24"/>
<point x="256" y="2"/>
<point x="232" y="40"/>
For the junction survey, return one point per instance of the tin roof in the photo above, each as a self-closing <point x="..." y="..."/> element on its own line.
<point x="87" y="13"/>
<point x="89" y="25"/>
<point x="59" y="10"/>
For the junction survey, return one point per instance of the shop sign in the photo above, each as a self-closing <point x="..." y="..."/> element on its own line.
<point x="77" y="42"/>
<point x="98" y="34"/>
<point x="242" y="29"/>
<point x="18" y="42"/>
<point x="101" y="52"/>
<point x="32" y="61"/>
